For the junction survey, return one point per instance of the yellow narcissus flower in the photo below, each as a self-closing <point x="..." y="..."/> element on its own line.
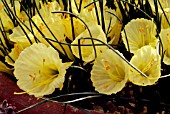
<point x="140" y="32"/>
<point x="87" y="52"/>
<point x="147" y="60"/>
<point x="39" y="70"/>
<point x="165" y="38"/>
<point x="109" y="72"/>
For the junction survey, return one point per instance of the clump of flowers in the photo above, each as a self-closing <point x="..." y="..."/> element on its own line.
<point x="57" y="45"/>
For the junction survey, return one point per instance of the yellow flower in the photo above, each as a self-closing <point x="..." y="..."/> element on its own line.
<point x="109" y="72"/>
<point x="140" y="32"/>
<point x="87" y="52"/>
<point x="165" y="38"/>
<point x="39" y="70"/>
<point x="147" y="60"/>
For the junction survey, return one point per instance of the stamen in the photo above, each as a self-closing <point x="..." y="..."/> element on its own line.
<point x="117" y="67"/>
<point x="107" y="67"/>
<point x="141" y="23"/>
<point x="83" y="41"/>
<point x="141" y="29"/>
<point x="149" y="65"/>
<point x="106" y="86"/>
<point x="33" y="77"/>
<point x="147" y="26"/>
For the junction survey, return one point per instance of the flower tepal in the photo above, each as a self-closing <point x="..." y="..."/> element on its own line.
<point x="39" y="70"/>
<point x="109" y="72"/>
